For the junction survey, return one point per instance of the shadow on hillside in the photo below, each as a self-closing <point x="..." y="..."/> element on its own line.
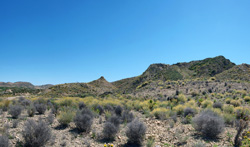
<point x="199" y="136"/>
<point x="131" y="145"/>
<point x="60" y="127"/>
<point x="76" y="131"/>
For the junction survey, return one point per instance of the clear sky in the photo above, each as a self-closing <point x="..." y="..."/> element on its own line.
<point x="59" y="41"/>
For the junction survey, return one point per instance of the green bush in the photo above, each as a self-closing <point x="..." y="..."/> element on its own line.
<point x="66" y="116"/>
<point x="160" y="113"/>
<point x="235" y="103"/>
<point x="247" y="98"/>
<point x="228" y="109"/>
<point x="229" y="119"/>
<point x="31" y="110"/>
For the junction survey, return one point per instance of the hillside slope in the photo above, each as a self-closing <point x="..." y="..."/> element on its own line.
<point x="195" y="69"/>
<point x="96" y="87"/>
<point x="239" y="72"/>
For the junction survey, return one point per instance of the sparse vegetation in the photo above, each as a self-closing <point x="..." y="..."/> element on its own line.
<point x="36" y="134"/>
<point x="4" y="141"/>
<point x="83" y="120"/>
<point x="109" y="131"/>
<point x="15" y="111"/>
<point x="66" y="116"/>
<point x="209" y="124"/>
<point x="136" y="132"/>
<point x="31" y="110"/>
<point x="101" y="111"/>
<point x="40" y="108"/>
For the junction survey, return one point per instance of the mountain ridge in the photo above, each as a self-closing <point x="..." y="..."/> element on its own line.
<point x="217" y="67"/>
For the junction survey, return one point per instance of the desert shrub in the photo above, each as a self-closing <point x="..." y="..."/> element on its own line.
<point x="36" y="134"/>
<point x="235" y="103"/>
<point x="206" y="104"/>
<point x="182" y="98"/>
<point x="127" y="116"/>
<point x="20" y="99"/>
<point x="55" y="109"/>
<point x="81" y="105"/>
<point x="189" y="111"/>
<point x="209" y="123"/>
<point x="40" y="101"/>
<point x="6" y="104"/>
<point x="151" y="104"/>
<point x="115" y="120"/>
<point x="218" y="105"/>
<point x="87" y="111"/>
<point x="136" y="132"/>
<point x="66" y="116"/>
<point x="227" y="100"/>
<point x="66" y="103"/>
<point x="187" y="119"/>
<point x="99" y="109"/>
<point x="242" y="114"/>
<point x="173" y="116"/>
<point x="40" y="108"/>
<point x="118" y="110"/>
<point x="229" y="119"/>
<point x="31" y="110"/>
<point x="241" y="125"/>
<point x="24" y="102"/>
<point x="15" y="111"/>
<point x="110" y="131"/>
<point x="4" y="141"/>
<point x="15" y="123"/>
<point x="247" y="98"/>
<point x="108" y="108"/>
<point x="228" y="109"/>
<point x="83" y="120"/>
<point x="50" y="118"/>
<point x="179" y="109"/>
<point x="194" y="94"/>
<point x="4" y="130"/>
<point x="160" y="113"/>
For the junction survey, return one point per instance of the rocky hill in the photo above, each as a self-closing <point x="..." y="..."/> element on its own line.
<point x="239" y="72"/>
<point x="195" y="69"/>
<point x="97" y="87"/>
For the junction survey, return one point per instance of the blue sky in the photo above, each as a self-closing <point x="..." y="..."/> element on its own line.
<point x="59" y="41"/>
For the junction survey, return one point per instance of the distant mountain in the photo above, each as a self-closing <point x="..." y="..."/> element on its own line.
<point x="96" y="87"/>
<point x="17" y="84"/>
<point x="24" y="85"/>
